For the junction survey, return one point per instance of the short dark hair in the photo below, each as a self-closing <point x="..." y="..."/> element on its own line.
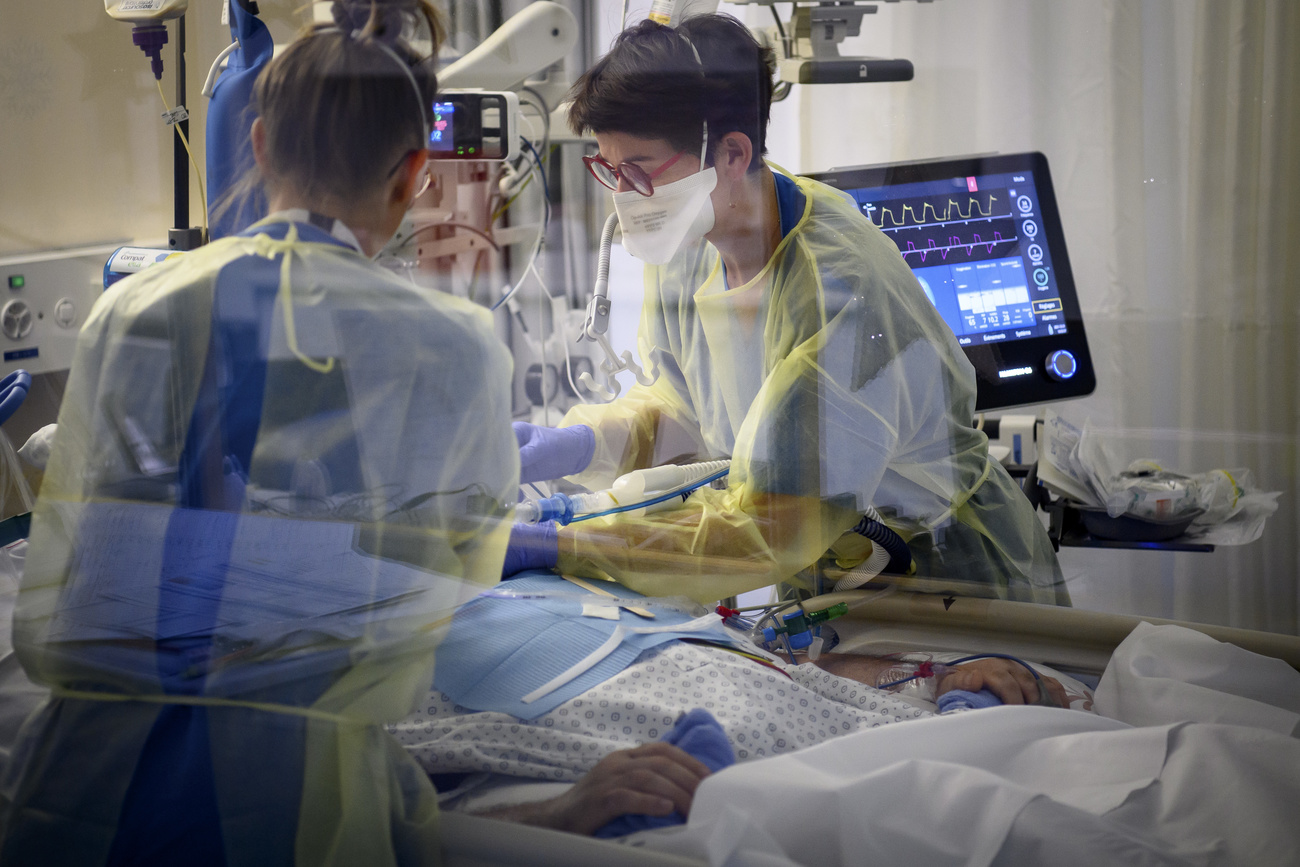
<point x="650" y="85"/>
<point x="337" y="109"/>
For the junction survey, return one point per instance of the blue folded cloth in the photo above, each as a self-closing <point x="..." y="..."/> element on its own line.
<point x="500" y="649"/>
<point x="699" y="734"/>
<point x="960" y="699"/>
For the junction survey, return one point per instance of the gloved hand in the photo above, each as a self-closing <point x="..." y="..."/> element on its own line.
<point x="532" y="546"/>
<point x="551" y="452"/>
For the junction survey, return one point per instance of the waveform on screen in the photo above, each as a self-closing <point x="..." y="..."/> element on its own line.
<point x="951" y="211"/>
<point x="956" y="243"/>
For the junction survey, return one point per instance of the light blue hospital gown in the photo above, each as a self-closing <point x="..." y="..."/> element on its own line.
<point x="764" y="714"/>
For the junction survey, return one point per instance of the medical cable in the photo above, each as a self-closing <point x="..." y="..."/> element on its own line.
<point x="546" y="184"/>
<point x="455" y="225"/>
<point x="780" y="29"/>
<point x="496" y="215"/>
<point x="930" y="669"/>
<point x="801" y="629"/>
<point x="782" y="89"/>
<point x="545" y="113"/>
<point x="568" y="370"/>
<point x="805" y="625"/>
<point x="541" y="237"/>
<point x="185" y="141"/>
<point x="543" y="299"/>
<point x="756" y="634"/>
<point x="532" y="258"/>
<point x="854" y="600"/>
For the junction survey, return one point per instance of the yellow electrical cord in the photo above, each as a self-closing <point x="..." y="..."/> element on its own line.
<point x="202" y="192"/>
<point x="501" y="210"/>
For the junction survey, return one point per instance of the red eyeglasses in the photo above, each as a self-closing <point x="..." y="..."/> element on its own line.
<point x="637" y="178"/>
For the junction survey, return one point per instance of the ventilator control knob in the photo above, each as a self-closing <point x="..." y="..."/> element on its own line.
<point x="1061" y="365"/>
<point x="16" y="320"/>
<point x="65" y="313"/>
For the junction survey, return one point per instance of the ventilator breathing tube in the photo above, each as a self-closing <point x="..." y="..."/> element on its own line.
<point x="889" y="552"/>
<point x="637" y="493"/>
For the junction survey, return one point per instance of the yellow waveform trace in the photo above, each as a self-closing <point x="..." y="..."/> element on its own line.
<point x="972" y="206"/>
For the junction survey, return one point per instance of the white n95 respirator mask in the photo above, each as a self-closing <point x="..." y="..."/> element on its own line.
<point x="655" y="227"/>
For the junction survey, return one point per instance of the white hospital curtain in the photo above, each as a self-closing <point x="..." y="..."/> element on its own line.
<point x="1171" y="127"/>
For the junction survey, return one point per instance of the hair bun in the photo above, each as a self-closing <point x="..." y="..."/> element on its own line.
<point x="384" y="20"/>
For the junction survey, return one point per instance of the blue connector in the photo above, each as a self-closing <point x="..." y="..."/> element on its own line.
<point x="798" y="640"/>
<point x="557" y="507"/>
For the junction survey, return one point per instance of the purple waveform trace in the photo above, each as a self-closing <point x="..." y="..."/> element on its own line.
<point x="954" y="242"/>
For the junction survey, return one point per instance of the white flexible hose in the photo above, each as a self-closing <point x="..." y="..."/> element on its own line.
<point x="865" y="571"/>
<point x="871" y="567"/>
<point x="210" y="83"/>
<point x="602" y="263"/>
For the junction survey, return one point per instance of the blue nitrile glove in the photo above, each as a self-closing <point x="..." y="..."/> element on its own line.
<point x="699" y="734"/>
<point x="547" y="453"/>
<point x="960" y="699"/>
<point x="532" y="546"/>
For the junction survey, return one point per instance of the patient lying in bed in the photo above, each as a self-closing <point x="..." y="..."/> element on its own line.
<point x="1191" y="758"/>
<point x="604" y="736"/>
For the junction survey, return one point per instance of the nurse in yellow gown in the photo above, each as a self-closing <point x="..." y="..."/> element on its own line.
<point x="790" y="337"/>
<point x="278" y="470"/>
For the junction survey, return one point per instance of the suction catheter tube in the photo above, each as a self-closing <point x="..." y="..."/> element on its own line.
<point x="597" y="321"/>
<point x="602" y="263"/>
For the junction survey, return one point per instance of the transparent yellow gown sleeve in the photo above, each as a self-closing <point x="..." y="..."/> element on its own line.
<point x="277" y="472"/>
<point x="832" y="384"/>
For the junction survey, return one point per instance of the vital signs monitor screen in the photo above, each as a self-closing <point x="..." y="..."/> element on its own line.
<point x="984" y="239"/>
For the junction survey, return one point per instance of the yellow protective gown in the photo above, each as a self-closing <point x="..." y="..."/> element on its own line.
<point x="832" y="384"/>
<point x="277" y="471"/>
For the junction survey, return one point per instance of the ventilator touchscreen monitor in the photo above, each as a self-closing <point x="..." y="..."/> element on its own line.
<point x="983" y="237"/>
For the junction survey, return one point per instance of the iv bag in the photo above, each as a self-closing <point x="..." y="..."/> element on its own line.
<point x="145" y="10"/>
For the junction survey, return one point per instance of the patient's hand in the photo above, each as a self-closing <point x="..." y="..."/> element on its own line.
<point x="654" y="779"/>
<point x="1008" y="680"/>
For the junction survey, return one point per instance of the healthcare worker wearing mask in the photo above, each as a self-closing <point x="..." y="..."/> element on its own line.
<point x="789" y="336"/>
<point x="278" y="469"/>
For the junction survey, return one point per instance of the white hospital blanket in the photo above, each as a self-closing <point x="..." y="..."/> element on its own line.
<point x="1028" y="785"/>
